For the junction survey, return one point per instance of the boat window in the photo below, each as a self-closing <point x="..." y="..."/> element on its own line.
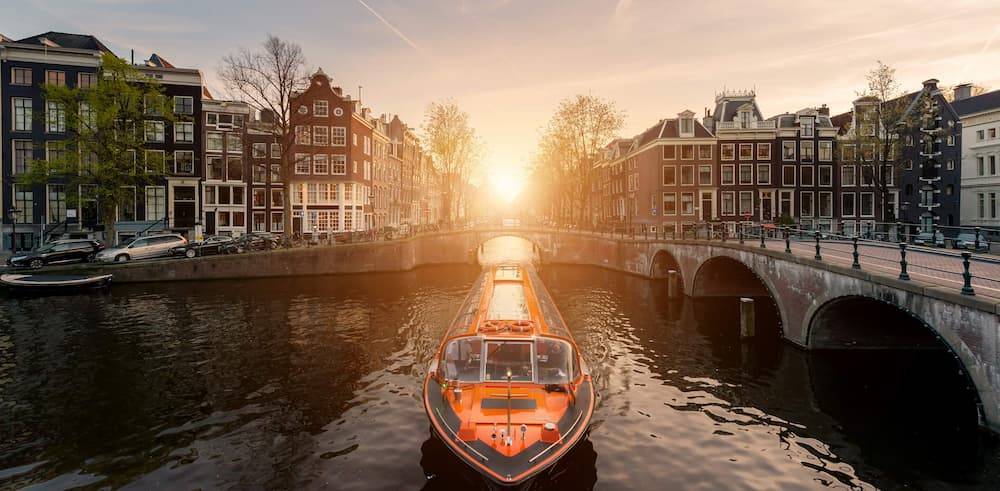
<point x="512" y="356"/>
<point x="462" y="359"/>
<point x="508" y="273"/>
<point x="508" y="303"/>
<point x="555" y="361"/>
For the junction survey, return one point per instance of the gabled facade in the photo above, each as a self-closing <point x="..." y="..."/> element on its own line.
<point x="267" y="193"/>
<point x="808" y="187"/>
<point x="228" y="154"/>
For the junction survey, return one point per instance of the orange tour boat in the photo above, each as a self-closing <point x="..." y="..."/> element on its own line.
<point x="508" y="391"/>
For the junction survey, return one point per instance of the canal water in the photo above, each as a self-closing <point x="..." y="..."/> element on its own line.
<point x="315" y="383"/>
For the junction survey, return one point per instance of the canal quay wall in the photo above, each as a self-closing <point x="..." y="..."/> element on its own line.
<point x="812" y="297"/>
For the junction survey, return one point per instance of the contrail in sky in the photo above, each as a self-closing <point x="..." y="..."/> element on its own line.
<point x="392" y="27"/>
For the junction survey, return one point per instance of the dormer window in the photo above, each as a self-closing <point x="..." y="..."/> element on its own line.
<point x="744" y="118"/>
<point x="808" y="127"/>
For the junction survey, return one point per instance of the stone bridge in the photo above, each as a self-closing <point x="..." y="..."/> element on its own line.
<point x="822" y="304"/>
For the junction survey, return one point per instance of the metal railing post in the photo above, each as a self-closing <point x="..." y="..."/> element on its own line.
<point x="725" y="231"/>
<point x="903" y="275"/>
<point x="761" y="229"/>
<point x="788" y="241"/>
<point x="976" y="247"/>
<point x="818" y="256"/>
<point x="739" y="227"/>
<point x="933" y="235"/>
<point x="855" y="264"/>
<point x="966" y="275"/>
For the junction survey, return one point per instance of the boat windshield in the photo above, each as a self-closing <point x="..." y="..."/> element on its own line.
<point x="514" y="357"/>
<point x="508" y="303"/>
<point x="462" y="359"/>
<point x="555" y="361"/>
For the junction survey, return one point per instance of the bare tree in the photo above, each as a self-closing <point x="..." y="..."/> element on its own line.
<point x="572" y="143"/>
<point x="875" y="133"/>
<point x="268" y="79"/>
<point x="452" y="141"/>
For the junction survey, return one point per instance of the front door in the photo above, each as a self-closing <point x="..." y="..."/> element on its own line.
<point x="706" y="206"/>
<point x="209" y="223"/>
<point x="184" y="206"/>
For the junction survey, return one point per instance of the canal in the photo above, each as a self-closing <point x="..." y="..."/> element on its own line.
<point x="316" y="382"/>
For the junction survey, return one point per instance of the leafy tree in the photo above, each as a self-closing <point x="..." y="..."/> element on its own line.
<point x="268" y="80"/>
<point x="450" y="138"/>
<point x="103" y="155"/>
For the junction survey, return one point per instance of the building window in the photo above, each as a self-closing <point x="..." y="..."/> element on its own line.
<point x="321" y="164"/>
<point x="155" y="131"/>
<point x="826" y="204"/>
<point x="213" y="142"/>
<point x="126" y="207"/>
<point x="687" y="175"/>
<point x="86" y="80"/>
<point x="24" y="200"/>
<point x="234" y="169"/>
<point x="338" y="165"/>
<point x="806" y="175"/>
<point x="258" y="172"/>
<point x="23" y="155"/>
<point x="55" y="117"/>
<point x="950" y="164"/>
<point x="704" y="152"/>
<point x="788" y="175"/>
<point x="277" y="198"/>
<point x="55" y="77"/>
<point x="321" y="135"/>
<point x="808" y="127"/>
<point x="826" y="151"/>
<point x="669" y="152"/>
<point x="868" y="152"/>
<point x="57" y="203"/>
<point x="22" y="76"/>
<point x="980" y="135"/>
<point x="746" y="203"/>
<point x="951" y="140"/>
<point x="22" y="114"/>
<point x="788" y="150"/>
<point x="981" y="166"/>
<point x="728" y="151"/>
<point x="728" y="203"/>
<point x="704" y="175"/>
<point x="303" y="163"/>
<point x="321" y="109"/>
<point x="669" y="204"/>
<point x="669" y="175"/>
<point x="847" y="175"/>
<point x="687" y="203"/>
<point x="354" y="139"/>
<point x="785" y="203"/>
<point x="259" y="150"/>
<point x="847" y="153"/>
<point x="215" y="169"/>
<point x="746" y="173"/>
<point x="746" y="151"/>
<point x="338" y="136"/>
<point x="155" y="161"/>
<point x="183" y="104"/>
<point x="259" y="198"/>
<point x="847" y="204"/>
<point x="234" y="144"/>
<point x="687" y="126"/>
<point x="368" y="145"/>
<point x="687" y="152"/>
<point x="303" y="135"/>
<point x="184" y="132"/>
<point x="259" y="221"/>
<point x="764" y="174"/>
<point x="275" y="172"/>
<point x="763" y="151"/>
<point x="867" y="204"/>
<point x="183" y="162"/>
<point x="993" y="165"/>
<point x="156" y="203"/>
<point x="807" y="150"/>
<point x="806" y="204"/>
<point x="728" y="177"/>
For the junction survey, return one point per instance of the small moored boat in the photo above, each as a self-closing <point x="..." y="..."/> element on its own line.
<point x="42" y="282"/>
<point x="508" y="391"/>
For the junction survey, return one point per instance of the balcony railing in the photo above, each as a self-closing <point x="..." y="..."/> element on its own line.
<point x="746" y="125"/>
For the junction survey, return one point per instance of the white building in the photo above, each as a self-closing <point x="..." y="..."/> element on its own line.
<point x="980" y="189"/>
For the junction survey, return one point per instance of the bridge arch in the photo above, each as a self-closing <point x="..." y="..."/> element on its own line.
<point x="859" y="322"/>
<point x="538" y="248"/>
<point x="728" y="276"/>
<point x="663" y="261"/>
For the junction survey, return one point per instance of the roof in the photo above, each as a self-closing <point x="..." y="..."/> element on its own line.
<point x="727" y="107"/>
<point x="788" y="120"/>
<point x="54" y="39"/>
<point x="977" y="104"/>
<point x="158" y="61"/>
<point x="4" y="39"/>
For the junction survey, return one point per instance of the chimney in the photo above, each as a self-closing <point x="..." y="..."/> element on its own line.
<point x="823" y="110"/>
<point x="931" y="84"/>
<point x="707" y="121"/>
<point x="963" y="91"/>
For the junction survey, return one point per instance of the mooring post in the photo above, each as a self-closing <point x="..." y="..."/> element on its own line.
<point x="966" y="275"/>
<point x="673" y="284"/>
<point x="747" y="328"/>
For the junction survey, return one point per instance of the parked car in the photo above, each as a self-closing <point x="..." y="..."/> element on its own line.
<point x="967" y="240"/>
<point x="929" y="239"/>
<point x="142" y="248"/>
<point x="58" y="252"/>
<point x="253" y="241"/>
<point x="211" y="245"/>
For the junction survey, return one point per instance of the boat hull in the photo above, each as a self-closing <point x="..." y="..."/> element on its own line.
<point x="21" y="283"/>
<point x="515" y="470"/>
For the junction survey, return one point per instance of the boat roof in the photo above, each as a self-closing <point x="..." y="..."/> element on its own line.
<point x="509" y="300"/>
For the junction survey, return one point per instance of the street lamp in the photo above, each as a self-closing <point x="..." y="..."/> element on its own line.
<point x="13" y="213"/>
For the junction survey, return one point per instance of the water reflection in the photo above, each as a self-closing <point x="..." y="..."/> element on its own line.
<point x="316" y="382"/>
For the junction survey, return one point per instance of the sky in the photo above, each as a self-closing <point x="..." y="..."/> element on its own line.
<point x="508" y="63"/>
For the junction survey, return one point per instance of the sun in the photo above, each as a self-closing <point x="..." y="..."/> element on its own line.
<point x="506" y="184"/>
